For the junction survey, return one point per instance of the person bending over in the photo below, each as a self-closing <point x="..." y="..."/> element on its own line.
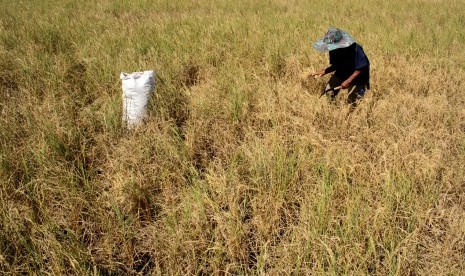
<point x="349" y="63"/>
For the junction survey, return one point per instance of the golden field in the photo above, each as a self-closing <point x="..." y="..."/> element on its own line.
<point x="240" y="168"/>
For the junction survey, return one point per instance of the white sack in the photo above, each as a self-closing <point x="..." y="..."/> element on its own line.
<point x="137" y="89"/>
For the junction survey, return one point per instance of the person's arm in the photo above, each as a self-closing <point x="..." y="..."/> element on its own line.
<point x="324" y="71"/>
<point x="350" y="79"/>
<point x="361" y="64"/>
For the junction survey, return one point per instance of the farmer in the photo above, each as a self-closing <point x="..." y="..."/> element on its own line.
<point x="349" y="63"/>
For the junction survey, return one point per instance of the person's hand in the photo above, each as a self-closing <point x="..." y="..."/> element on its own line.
<point x="345" y="84"/>
<point x="318" y="74"/>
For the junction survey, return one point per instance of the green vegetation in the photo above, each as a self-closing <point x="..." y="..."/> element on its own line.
<point x="241" y="168"/>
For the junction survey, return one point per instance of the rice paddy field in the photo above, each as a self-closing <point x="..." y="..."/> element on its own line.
<point x="240" y="168"/>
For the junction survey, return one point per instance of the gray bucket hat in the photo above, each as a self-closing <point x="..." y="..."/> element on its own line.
<point x="334" y="39"/>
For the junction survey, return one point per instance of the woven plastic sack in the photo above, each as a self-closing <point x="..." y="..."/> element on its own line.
<point x="137" y="90"/>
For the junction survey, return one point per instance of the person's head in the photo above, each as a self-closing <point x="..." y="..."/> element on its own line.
<point x="334" y="39"/>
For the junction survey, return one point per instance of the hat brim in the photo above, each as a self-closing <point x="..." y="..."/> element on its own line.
<point x="345" y="42"/>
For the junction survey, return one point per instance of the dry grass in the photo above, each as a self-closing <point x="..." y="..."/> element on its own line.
<point x="241" y="167"/>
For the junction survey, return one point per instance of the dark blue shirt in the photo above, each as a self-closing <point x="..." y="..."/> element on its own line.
<point x="346" y="60"/>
